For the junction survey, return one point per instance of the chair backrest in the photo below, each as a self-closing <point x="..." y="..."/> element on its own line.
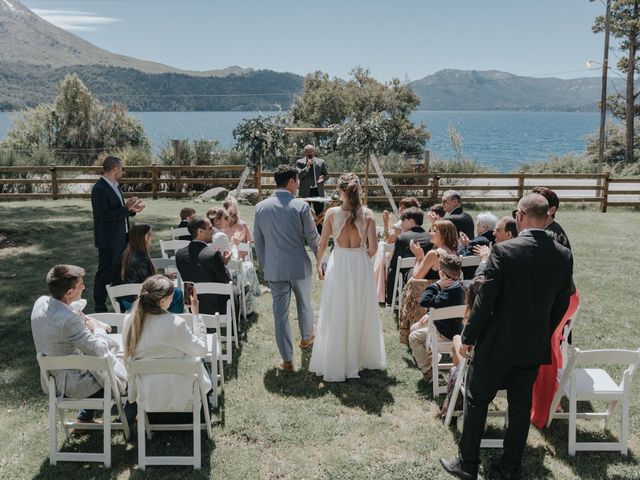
<point x="631" y="358"/>
<point x="179" y="232"/>
<point x="246" y="248"/>
<point x="210" y="321"/>
<point x="74" y="362"/>
<point x="111" y="319"/>
<point x="214" y="288"/>
<point x="164" y="263"/>
<point x="447" y="312"/>
<point x="171" y="246"/>
<point x="125" y="290"/>
<point x="406" y="262"/>
<point x="470" y="261"/>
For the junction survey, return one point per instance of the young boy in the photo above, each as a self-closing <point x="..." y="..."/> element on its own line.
<point x="186" y="214"/>
<point x="446" y="292"/>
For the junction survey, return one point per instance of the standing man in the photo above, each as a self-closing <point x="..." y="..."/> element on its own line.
<point x="524" y="296"/>
<point x="281" y="225"/>
<point x="312" y="173"/>
<point x="452" y="204"/>
<point x="110" y="225"/>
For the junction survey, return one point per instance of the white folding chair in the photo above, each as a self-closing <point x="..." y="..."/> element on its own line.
<point x="470" y="261"/>
<point x="188" y="368"/>
<point x="171" y="246"/>
<point x="114" y="320"/>
<point x="118" y="291"/>
<point x="387" y="251"/>
<point x="403" y="263"/>
<point x="179" y="232"/>
<point x="439" y="347"/>
<point x="214" y="288"/>
<point x="58" y="404"/>
<point x="459" y="389"/>
<point x="247" y="249"/>
<point x="212" y="322"/>
<point x="164" y="263"/>
<point x="236" y="266"/>
<point x="595" y="384"/>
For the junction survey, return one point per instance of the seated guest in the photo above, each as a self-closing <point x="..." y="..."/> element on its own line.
<point x="152" y="332"/>
<point x="553" y="228"/>
<point x="186" y="214"/>
<point x="436" y="212"/>
<point x="219" y="218"/>
<point x="446" y="292"/>
<point x="411" y="221"/>
<point x="136" y="266"/>
<point x="198" y="262"/>
<point x="237" y="230"/>
<point x="456" y="358"/>
<point x="60" y="328"/>
<point x="505" y="229"/>
<point x="390" y="234"/>
<point x="452" y="204"/>
<point x="425" y="272"/>
<point x="485" y="225"/>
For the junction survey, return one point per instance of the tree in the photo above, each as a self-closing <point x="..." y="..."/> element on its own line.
<point x="333" y="102"/>
<point x="76" y="127"/>
<point x="263" y="139"/>
<point x="625" y="25"/>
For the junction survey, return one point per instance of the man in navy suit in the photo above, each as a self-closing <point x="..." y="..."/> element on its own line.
<point x="110" y="225"/>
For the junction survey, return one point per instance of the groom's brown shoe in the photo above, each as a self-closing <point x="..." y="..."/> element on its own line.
<point x="308" y="342"/>
<point x="287" y="366"/>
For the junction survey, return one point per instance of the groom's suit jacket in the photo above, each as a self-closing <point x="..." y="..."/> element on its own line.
<point x="281" y="225"/>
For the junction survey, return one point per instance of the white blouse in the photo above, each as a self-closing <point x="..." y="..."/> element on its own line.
<point x="168" y="336"/>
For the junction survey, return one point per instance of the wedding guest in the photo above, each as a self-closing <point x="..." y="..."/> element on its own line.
<point x="136" y="266"/>
<point x="186" y="214"/>
<point x="426" y="270"/>
<point x="446" y="292"/>
<point x="452" y="204"/>
<point x="553" y="228"/>
<point x="485" y="224"/>
<point x="237" y="229"/>
<point x="152" y="332"/>
<point x="60" y="328"/>
<point x="411" y="222"/>
<point x="505" y="230"/>
<point x="390" y="234"/>
<point x="436" y="212"/>
<point x="524" y="297"/>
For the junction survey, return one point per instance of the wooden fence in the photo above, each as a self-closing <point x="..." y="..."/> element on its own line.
<point x="178" y="181"/>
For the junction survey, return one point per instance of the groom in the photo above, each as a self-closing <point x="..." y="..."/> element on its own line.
<point x="282" y="222"/>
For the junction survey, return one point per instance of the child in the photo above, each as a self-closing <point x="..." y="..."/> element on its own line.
<point x="446" y="292"/>
<point x="186" y="214"/>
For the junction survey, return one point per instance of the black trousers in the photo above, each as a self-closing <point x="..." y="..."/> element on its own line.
<point x="107" y="270"/>
<point x="483" y="382"/>
<point x="318" y="207"/>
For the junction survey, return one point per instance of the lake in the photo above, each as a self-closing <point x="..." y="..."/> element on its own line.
<point x="499" y="140"/>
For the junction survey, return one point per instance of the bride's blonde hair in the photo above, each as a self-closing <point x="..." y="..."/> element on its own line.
<point x="350" y="184"/>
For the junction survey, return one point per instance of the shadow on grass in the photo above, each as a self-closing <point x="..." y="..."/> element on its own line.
<point x="370" y="393"/>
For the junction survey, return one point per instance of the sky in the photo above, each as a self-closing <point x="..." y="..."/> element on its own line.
<point x="406" y="39"/>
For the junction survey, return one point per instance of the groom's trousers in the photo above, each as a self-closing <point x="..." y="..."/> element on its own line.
<point x="281" y="295"/>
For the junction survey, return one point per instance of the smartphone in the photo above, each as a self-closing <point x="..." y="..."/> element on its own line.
<point x="188" y="292"/>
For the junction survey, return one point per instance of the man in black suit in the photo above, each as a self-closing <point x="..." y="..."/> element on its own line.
<point x="452" y="204"/>
<point x="198" y="262"/>
<point x="411" y="224"/>
<point x="110" y="225"/>
<point x="524" y="297"/>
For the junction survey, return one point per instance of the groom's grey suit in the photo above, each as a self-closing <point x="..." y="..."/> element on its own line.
<point x="280" y="227"/>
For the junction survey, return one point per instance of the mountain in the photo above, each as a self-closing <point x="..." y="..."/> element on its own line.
<point x="495" y="90"/>
<point x="26" y="37"/>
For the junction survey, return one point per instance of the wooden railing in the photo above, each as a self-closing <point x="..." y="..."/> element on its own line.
<point x="177" y="181"/>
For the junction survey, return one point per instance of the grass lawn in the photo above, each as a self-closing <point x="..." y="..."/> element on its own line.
<point x="290" y="425"/>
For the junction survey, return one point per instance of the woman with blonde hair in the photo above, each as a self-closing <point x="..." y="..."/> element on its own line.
<point x="237" y="229"/>
<point x="349" y="332"/>
<point x="151" y="331"/>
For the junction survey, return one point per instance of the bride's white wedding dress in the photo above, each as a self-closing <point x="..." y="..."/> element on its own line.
<point x="349" y="332"/>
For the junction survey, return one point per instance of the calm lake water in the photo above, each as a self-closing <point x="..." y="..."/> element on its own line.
<point x="499" y="140"/>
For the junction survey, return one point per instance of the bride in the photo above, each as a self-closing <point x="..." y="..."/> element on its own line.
<point x="349" y="333"/>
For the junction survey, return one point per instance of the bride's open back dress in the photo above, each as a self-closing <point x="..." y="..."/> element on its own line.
<point x="349" y="333"/>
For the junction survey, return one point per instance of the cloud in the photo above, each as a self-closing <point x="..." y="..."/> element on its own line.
<point x="74" y="20"/>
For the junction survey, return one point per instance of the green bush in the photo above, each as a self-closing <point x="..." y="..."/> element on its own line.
<point x="568" y="163"/>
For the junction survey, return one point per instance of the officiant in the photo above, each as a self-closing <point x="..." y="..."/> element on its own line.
<point x="312" y="173"/>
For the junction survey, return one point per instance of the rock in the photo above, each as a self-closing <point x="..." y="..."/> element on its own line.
<point x="216" y="193"/>
<point x="248" y="196"/>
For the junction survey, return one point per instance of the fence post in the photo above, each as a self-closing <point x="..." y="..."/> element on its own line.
<point x="154" y="181"/>
<point x="54" y="182"/>
<point x="520" y="184"/>
<point x="434" y="189"/>
<point x="366" y="182"/>
<point x="258" y="180"/>
<point x="604" y="199"/>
